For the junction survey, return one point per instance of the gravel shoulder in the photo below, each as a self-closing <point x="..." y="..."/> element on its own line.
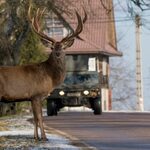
<point x="16" y="133"/>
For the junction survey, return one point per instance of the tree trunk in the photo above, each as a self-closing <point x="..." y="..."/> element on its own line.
<point x="7" y="109"/>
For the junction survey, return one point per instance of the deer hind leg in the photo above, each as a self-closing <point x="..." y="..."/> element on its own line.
<point x="37" y="106"/>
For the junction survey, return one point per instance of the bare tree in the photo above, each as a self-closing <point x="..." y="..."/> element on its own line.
<point x="14" y="28"/>
<point x="133" y="5"/>
<point x="143" y="5"/>
<point x="123" y="77"/>
<point x="123" y="84"/>
<point x="15" y="31"/>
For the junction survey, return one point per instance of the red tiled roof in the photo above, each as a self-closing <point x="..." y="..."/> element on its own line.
<point x="95" y="32"/>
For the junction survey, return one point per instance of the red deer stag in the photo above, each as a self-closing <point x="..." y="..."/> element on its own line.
<point x="34" y="82"/>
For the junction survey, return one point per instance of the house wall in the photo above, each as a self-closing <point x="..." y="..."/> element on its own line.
<point x="111" y="29"/>
<point x="104" y="82"/>
<point x="99" y="38"/>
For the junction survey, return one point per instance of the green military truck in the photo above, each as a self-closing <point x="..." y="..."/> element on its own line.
<point x="81" y="86"/>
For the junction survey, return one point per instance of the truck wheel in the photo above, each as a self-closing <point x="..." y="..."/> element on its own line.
<point x="97" y="106"/>
<point x="51" y="108"/>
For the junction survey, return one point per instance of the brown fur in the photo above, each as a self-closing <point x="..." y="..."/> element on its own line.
<point x="33" y="83"/>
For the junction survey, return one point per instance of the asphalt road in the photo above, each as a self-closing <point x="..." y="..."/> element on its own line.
<point x="110" y="131"/>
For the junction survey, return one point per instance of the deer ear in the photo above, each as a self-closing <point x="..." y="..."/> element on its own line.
<point x="68" y="44"/>
<point x="44" y="43"/>
<point x="47" y="44"/>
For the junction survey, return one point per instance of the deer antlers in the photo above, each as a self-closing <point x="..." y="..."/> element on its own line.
<point x="35" y="24"/>
<point x="67" y="41"/>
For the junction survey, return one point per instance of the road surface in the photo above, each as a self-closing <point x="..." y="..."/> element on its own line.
<point x="110" y="131"/>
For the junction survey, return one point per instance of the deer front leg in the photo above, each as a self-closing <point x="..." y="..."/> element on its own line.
<point x="38" y="113"/>
<point x="36" y="137"/>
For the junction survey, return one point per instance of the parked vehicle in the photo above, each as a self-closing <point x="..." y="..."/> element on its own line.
<point x="81" y="86"/>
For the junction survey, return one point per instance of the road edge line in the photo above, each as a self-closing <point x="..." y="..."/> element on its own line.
<point x="74" y="141"/>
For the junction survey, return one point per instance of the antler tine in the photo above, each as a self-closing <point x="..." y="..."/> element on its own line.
<point x="37" y="18"/>
<point x="85" y="16"/>
<point x="42" y="36"/>
<point x="76" y="32"/>
<point x="36" y="27"/>
<point x="80" y="25"/>
<point x="29" y="12"/>
<point x="83" y="21"/>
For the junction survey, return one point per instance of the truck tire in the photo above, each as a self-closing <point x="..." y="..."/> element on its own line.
<point x="51" y="108"/>
<point x="97" y="106"/>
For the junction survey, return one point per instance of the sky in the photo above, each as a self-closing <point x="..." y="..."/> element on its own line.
<point x="125" y="28"/>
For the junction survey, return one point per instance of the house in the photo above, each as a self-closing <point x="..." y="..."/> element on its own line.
<point x="99" y="36"/>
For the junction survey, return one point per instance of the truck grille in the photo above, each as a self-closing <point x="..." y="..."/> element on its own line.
<point x="74" y="94"/>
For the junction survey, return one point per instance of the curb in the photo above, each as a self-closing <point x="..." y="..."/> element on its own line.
<point x="74" y="141"/>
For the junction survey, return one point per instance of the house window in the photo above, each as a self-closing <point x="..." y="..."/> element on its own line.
<point x="55" y="31"/>
<point x="54" y="27"/>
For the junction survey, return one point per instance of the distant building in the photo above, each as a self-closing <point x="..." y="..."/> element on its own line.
<point x="99" y="36"/>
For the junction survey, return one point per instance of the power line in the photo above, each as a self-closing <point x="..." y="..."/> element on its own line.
<point x="117" y="19"/>
<point x="109" y="21"/>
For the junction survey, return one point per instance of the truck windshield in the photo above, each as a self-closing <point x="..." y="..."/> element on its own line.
<point x="81" y="71"/>
<point x="80" y="63"/>
<point x="88" y="79"/>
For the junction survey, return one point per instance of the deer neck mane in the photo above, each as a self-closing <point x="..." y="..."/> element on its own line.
<point x="56" y="67"/>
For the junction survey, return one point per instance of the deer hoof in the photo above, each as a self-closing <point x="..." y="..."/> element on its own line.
<point x="44" y="139"/>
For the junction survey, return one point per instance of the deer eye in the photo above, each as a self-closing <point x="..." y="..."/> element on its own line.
<point x="52" y="47"/>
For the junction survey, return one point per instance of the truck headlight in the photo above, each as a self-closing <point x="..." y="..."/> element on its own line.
<point x="61" y="93"/>
<point x="86" y="92"/>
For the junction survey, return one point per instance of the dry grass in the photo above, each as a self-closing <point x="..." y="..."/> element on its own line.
<point x="3" y="125"/>
<point x="2" y="139"/>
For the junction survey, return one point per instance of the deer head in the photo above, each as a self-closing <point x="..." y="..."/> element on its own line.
<point x="56" y="46"/>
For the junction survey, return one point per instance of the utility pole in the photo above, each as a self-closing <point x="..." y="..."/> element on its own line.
<point x="139" y="85"/>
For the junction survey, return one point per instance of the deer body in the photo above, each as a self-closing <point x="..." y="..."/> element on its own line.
<point x="34" y="82"/>
<point x="26" y="82"/>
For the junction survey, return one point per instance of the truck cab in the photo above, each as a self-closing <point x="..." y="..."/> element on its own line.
<point x="81" y="86"/>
